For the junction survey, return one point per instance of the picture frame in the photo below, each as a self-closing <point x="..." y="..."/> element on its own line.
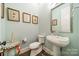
<point x="13" y="15"/>
<point x="2" y="10"/>
<point x="26" y="17"/>
<point x="34" y="19"/>
<point x="54" y="22"/>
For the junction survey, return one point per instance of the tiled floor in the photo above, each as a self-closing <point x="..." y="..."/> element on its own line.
<point x="26" y="53"/>
<point x="42" y="53"/>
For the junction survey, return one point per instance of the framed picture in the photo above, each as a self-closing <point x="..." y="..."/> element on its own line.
<point x="13" y="15"/>
<point x="34" y="19"/>
<point x="54" y="22"/>
<point x="2" y="10"/>
<point x="26" y="17"/>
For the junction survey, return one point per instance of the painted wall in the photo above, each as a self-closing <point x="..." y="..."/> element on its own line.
<point x="2" y="30"/>
<point x="44" y="17"/>
<point x="72" y="48"/>
<point x="2" y="27"/>
<point x="44" y="23"/>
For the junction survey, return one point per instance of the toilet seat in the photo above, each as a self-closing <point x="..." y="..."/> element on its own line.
<point x="34" y="45"/>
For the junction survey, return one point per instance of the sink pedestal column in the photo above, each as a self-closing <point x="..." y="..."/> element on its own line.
<point x="56" y="50"/>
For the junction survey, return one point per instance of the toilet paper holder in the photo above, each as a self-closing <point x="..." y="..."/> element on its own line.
<point x="24" y="40"/>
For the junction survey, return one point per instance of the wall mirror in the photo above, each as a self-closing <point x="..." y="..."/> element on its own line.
<point x="61" y="18"/>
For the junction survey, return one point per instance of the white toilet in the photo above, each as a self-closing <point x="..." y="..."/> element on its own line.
<point x="36" y="47"/>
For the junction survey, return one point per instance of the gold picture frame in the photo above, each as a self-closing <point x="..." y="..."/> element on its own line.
<point x="34" y="19"/>
<point x="13" y="15"/>
<point x="26" y="17"/>
<point x="2" y="10"/>
<point x="54" y="22"/>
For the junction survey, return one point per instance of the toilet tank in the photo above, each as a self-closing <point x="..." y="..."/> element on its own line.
<point x="41" y="38"/>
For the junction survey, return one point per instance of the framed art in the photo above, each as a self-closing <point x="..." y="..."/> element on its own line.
<point x="54" y="22"/>
<point x="53" y="25"/>
<point x="2" y="10"/>
<point x="26" y="17"/>
<point x="34" y="19"/>
<point x="13" y="15"/>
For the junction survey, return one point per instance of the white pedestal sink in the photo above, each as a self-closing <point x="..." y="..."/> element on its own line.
<point x="57" y="42"/>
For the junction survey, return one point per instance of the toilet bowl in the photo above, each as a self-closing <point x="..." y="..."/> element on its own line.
<point x="36" y="47"/>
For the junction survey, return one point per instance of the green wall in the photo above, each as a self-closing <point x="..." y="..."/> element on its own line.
<point x="73" y="47"/>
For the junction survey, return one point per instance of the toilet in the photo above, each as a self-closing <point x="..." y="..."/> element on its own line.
<point x="36" y="47"/>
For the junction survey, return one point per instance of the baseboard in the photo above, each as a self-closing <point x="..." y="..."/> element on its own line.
<point x="50" y="52"/>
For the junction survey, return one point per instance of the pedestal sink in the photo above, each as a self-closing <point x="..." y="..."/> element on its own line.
<point x="57" y="43"/>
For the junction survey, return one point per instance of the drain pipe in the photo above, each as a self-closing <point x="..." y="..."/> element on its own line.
<point x="61" y="51"/>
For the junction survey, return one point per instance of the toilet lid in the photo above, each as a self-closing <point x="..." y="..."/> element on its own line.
<point x="34" y="45"/>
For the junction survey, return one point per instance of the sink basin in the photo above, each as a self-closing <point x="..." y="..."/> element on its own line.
<point x="58" y="40"/>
